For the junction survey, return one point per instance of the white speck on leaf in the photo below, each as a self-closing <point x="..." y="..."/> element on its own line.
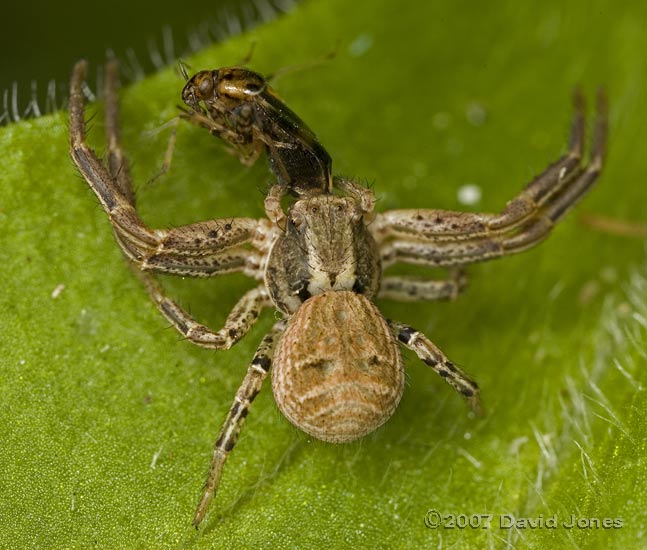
<point x="475" y="113"/>
<point x="57" y="291"/>
<point x="360" y="45"/>
<point x="156" y="456"/>
<point x="469" y="194"/>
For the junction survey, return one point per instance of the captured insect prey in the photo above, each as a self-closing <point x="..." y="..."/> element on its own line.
<point x="240" y="107"/>
<point x="335" y="361"/>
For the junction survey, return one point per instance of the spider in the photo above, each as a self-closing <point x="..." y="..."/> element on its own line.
<point x="239" y="106"/>
<point x="337" y="372"/>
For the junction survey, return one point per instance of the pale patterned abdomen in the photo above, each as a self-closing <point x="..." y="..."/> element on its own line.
<point x="337" y="373"/>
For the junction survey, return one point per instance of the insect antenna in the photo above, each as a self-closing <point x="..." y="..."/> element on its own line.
<point x="183" y="69"/>
<point x="328" y="56"/>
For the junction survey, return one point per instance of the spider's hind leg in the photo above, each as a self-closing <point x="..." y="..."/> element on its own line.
<point x="432" y="356"/>
<point x="249" y="389"/>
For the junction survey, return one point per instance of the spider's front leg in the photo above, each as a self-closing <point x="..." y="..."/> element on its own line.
<point x="249" y="389"/>
<point x="116" y="160"/>
<point x="444" y="238"/>
<point x="177" y="250"/>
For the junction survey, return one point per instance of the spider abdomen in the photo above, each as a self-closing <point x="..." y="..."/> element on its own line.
<point x="337" y="372"/>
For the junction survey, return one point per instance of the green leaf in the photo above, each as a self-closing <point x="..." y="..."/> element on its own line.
<point x="108" y="418"/>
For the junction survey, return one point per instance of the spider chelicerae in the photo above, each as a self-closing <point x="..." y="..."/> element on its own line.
<point x="337" y="373"/>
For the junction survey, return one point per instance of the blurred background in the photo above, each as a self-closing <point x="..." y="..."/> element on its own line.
<point x="41" y="41"/>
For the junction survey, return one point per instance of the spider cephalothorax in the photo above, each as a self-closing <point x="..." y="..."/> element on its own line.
<point x="336" y="368"/>
<point x="326" y="246"/>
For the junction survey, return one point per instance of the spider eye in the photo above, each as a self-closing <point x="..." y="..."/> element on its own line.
<point x="296" y="222"/>
<point x="314" y="209"/>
